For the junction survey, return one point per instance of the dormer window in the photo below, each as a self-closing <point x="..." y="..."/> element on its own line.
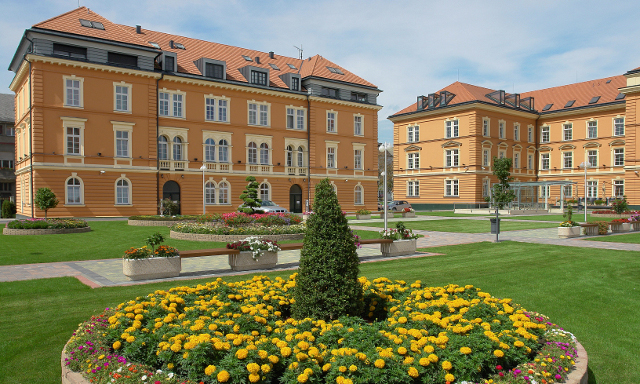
<point x="259" y="78"/>
<point x="215" y="71"/>
<point x="69" y="51"/>
<point x="121" y="59"/>
<point x="295" y="84"/>
<point x="330" y="92"/>
<point x="359" y="97"/>
<point x="175" y="45"/>
<point x="91" y="24"/>
<point x="335" y="70"/>
<point x="168" y="61"/>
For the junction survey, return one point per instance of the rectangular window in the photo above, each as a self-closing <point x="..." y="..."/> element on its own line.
<point x="210" y="109"/>
<point x="122" y="98"/>
<point x="121" y="59"/>
<point x="259" y="114"/>
<point x="530" y="162"/>
<point x="592" y="158"/>
<point x="264" y="115"/>
<point x="567" y="160"/>
<point x="215" y="71"/>
<point x="567" y="191"/>
<point x="485" y="157"/>
<point x="530" y="135"/>
<point x="618" y="127"/>
<point x="544" y="191"/>
<point x="73" y="141"/>
<point x="592" y="189"/>
<point x="169" y="63"/>
<point x="253" y="114"/>
<point x="485" y="127"/>
<point x="544" y="135"/>
<point x="452" y="158"/>
<point x="592" y="130"/>
<point x="359" y="97"/>
<point x="618" y="156"/>
<point x="331" y="122"/>
<point x="177" y="105"/>
<point x="516" y="132"/>
<point x="544" y="161"/>
<point x="331" y="157"/>
<point x="222" y="110"/>
<point x="451" y="188"/>
<point x="516" y="161"/>
<point x="501" y="155"/>
<point x="452" y="128"/>
<point x="171" y="104"/>
<point x="215" y="109"/>
<point x="413" y="189"/>
<point x="567" y="132"/>
<point x="485" y="188"/>
<point x="330" y="92"/>
<point x="295" y="118"/>
<point x="69" y="51"/>
<point x="9" y="130"/>
<point x="295" y="84"/>
<point x="501" y="129"/>
<point x="163" y="104"/>
<point x="72" y="88"/>
<point x="357" y="159"/>
<point x="618" y="188"/>
<point x="122" y="144"/>
<point x="357" y="125"/>
<point x="413" y="160"/>
<point x="259" y="78"/>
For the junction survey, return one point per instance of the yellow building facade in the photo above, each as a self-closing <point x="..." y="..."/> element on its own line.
<point x="114" y="118"/>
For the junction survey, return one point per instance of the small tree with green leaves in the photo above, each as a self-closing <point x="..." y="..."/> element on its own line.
<point x="327" y="285"/>
<point x="8" y="209"/>
<point x="45" y="199"/>
<point x="620" y="205"/>
<point x="251" y="203"/>
<point x="153" y="240"/>
<point x="501" y="192"/>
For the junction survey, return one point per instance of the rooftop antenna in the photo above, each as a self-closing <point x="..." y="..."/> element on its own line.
<point x="300" y="50"/>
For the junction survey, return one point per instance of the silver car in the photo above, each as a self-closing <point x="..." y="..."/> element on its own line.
<point x="398" y="205"/>
<point x="269" y="206"/>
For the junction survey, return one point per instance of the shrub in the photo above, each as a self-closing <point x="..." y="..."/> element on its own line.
<point x="599" y="202"/>
<point x="209" y="218"/>
<point x="327" y="285"/>
<point x="45" y="199"/>
<point x="243" y="230"/>
<point x="47" y="224"/>
<point x="363" y="212"/>
<point x="8" y="209"/>
<point x="620" y="205"/>
<point x="168" y="207"/>
<point x="399" y="233"/>
<point x="568" y="215"/>
<point x="251" y="203"/>
<point x="603" y="227"/>
<point x="165" y="218"/>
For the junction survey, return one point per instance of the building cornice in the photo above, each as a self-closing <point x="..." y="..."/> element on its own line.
<point x="584" y="109"/>
<point x="17" y="79"/>
<point x="463" y="107"/>
<point x="629" y="89"/>
<point x="97" y="67"/>
<point x="345" y="103"/>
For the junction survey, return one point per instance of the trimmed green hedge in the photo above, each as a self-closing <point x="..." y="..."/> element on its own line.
<point x="47" y="224"/>
<point x="246" y="230"/>
<point x="165" y="218"/>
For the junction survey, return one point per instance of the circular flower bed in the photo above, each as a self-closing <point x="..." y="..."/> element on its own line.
<point x="241" y="332"/>
<point x="45" y="226"/>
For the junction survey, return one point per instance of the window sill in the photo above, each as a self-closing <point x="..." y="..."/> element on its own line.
<point x="358" y="135"/>
<point x="216" y="121"/>
<point x="333" y="132"/>
<point x="258" y="125"/>
<point x="124" y="112"/>
<point x="74" y="205"/>
<point x="123" y="205"/>
<point x="173" y="117"/>
<point x="456" y="196"/>
<point x="73" y="106"/>
<point x="296" y="129"/>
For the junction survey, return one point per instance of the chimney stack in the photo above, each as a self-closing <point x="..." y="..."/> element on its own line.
<point x="258" y="59"/>
<point x="138" y="29"/>
<point x="272" y="55"/>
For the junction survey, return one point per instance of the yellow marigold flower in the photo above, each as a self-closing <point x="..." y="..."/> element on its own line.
<point x="326" y="367"/>
<point x="402" y="350"/>
<point x="408" y="360"/>
<point x="518" y="343"/>
<point x="131" y="339"/>
<point x="449" y="377"/>
<point x="353" y="368"/>
<point x="117" y="345"/>
<point x="210" y="370"/>
<point x="286" y="351"/>
<point x="402" y="320"/>
<point x="424" y="361"/>
<point x="413" y="372"/>
<point x="446" y="365"/>
<point x="170" y="366"/>
<point x="265" y="368"/>
<point x="498" y="353"/>
<point x="254" y="377"/>
<point x="263" y="354"/>
<point x="340" y="380"/>
<point x="185" y="355"/>
<point x="379" y="363"/>
<point x="308" y="371"/>
<point x="242" y="353"/>
<point x="433" y="358"/>
<point x="253" y="368"/>
<point x="274" y="359"/>
<point x="465" y="350"/>
<point x="302" y="378"/>
<point x="429" y="349"/>
<point x="342" y="369"/>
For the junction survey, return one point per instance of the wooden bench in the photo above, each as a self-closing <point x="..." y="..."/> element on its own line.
<point x="590" y="229"/>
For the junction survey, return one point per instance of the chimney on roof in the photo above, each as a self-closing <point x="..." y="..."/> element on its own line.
<point x="171" y="44"/>
<point x="272" y="55"/>
<point x="138" y="29"/>
<point x="257" y="59"/>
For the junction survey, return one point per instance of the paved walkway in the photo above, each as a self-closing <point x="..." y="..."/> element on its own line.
<point x="101" y="273"/>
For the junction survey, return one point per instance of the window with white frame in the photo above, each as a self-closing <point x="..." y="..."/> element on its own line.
<point x="592" y="158"/>
<point x="357" y="125"/>
<point x="502" y="153"/>
<point x="331" y="121"/>
<point x="618" y="156"/>
<point x="530" y="134"/>
<point x="163" y="148"/>
<point x="486" y="129"/>
<point x="544" y="161"/>
<point x="451" y="158"/>
<point x="73" y="140"/>
<point x="73" y="91"/>
<point x="264" y="153"/>
<point x="264" y="192"/>
<point x="516" y="160"/>
<point x="618" y="188"/>
<point x="413" y="189"/>
<point x="486" y="157"/>
<point x="259" y="114"/>
<point x="567" y="132"/>
<point x="592" y="129"/>
<point x="171" y="103"/>
<point x="295" y="118"/>
<point x="568" y="191"/>
<point x="163" y="104"/>
<point x="74" y="191"/>
<point x="210" y="193"/>
<point x="357" y="159"/>
<point x="544" y="191"/>
<point x="177" y="105"/>
<point x="300" y="156"/>
<point x="209" y="150"/>
<point x="122" y="97"/>
<point x="223" y="193"/>
<point x="252" y="153"/>
<point x="177" y="148"/>
<point x="451" y="188"/>
<point x="122" y="144"/>
<point x="413" y="134"/>
<point x="544" y="134"/>
<point x="331" y="157"/>
<point x="618" y="126"/>
<point x="567" y="158"/>
<point x="223" y="151"/>
<point x="530" y="162"/>
<point x="451" y="128"/>
<point x="123" y="192"/>
<point x="516" y="132"/>
<point x="216" y="109"/>
<point x="413" y="160"/>
<point x="592" y="188"/>
<point x="485" y="188"/>
<point x="290" y="156"/>
<point x="357" y="195"/>
<point x="501" y="132"/>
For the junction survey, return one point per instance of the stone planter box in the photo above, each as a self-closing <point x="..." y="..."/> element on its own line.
<point x="57" y="231"/>
<point x="244" y="261"/>
<point x="635" y="225"/>
<point x="389" y="215"/>
<point x="589" y="229"/>
<point x="363" y="217"/>
<point x="399" y="248"/>
<point x="620" y="227"/>
<point x="568" y="232"/>
<point x="153" y="223"/>
<point x="408" y="214"/>
<point x="231" y="238"/>
<point x="151" y="268"/>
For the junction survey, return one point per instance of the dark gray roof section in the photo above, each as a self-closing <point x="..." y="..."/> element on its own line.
<point x="7" y="113"/>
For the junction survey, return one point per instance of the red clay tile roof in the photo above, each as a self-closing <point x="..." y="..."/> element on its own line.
<point x="196" y="49"/>
<point x="464" y="93"/>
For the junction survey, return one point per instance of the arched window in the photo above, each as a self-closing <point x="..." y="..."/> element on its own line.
<point x="300" y="157"/>
<point x="74" y="191"/>
<point x="223" y="151"/>
<point x="163" y="148"/>
<point x="122" y="192"/>
<point x="252" y="153"/>
<point x="223" y="193"/>
<point x="335" y="188"/>
<point x="264" y="191"/>
<point x="289" y="156"/>
<point x="210" y="150"/>
<point x="210" y="193"/>
<point x="358" y="195"/>
<point x="177" y="148"/>
<point x="264" y="153"/>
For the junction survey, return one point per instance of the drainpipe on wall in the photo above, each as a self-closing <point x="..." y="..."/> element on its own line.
<point x="30" y="129"/>
<point x="307" y="208"/>
<point x="157" y="136"/>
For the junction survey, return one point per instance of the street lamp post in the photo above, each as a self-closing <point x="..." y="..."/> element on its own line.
<point x="585" y="165"/>
<point x="204" y="205"/>
<point x="382" y="148"/>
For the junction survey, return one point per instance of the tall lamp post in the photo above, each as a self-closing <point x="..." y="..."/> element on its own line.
<point x="383" y="148"/>
<point x="204" y="205"/>
<point x="585" y="165"/>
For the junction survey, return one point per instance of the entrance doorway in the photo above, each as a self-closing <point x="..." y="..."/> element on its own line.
<point x="171" y="191"/>
<point x="295" y="199"/>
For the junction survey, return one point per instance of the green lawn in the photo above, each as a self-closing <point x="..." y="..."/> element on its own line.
<point x="449" y="214"/>
<point x="464" y="226"/>
<point x="633" y="238"/>
<point x="558" y="218"/>
<point x="594" y="294"/>
<point x="107" y="240"/>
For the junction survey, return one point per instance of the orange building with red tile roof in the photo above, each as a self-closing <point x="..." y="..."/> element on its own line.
<point x="114" y="118"/>
<point x="445" y="143"/>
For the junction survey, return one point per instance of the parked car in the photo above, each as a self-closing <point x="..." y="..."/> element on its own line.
<point x="398" y="205"/>
<point x="269" y="206"/>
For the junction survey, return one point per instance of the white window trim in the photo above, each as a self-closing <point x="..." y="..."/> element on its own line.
<point x="516" y="128"/>
<point x="258" y="104"/>
<point x="265" y="181"/>
<point x="216" y="109"/>
<point x="457" y="156"/>
<point x="361" y="116"/>
<point x="296" y="143"/>
<point x="586" y="156"/>
<point x="452" y="120"/>
<point x="335" y="122"/>
<point x="586" y="127"/>
<point x="66" y="197"/>
<point x="224" y="180"/>
<point x="359" y="146"/>
<point x="415" y="154"/>
<point x="122" y="126"/>
<point x="519" y="154"/>
<point x="184" y="104"/>
<point x="572" y="160"/>
<point x="613" y="156"/>
<point x="445" y="187"/>
<point x="530" y="128"/>
<point x="216" y="136"/>
<point x="563" y="131"/>
<point x="81" y="96"/>
<point x="542" y="128"/>
<point x="613" y="126"/>
<point x="488" y="150"/>
<point x="170" y="133"/>
<point x="488" y="121"/>
<point x="259" y="140"/>
<point x="215" y="191"/>
<point x="73" y="122"/>
<point x="295" y="118"/>
<point x="503" y="124"/>
<point x="129" y="191"/>
<point x="334" y="145"/>
<point x="415" y="183"/>
<point x="129" y="96"/>
<point x="540" y="165"/>
<point x="361" y="194"/>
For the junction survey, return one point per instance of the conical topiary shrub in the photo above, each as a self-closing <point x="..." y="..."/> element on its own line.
<point x="327" y="285"/>
<point x="251" y="203"/>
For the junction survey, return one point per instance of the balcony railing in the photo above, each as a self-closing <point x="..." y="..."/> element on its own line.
<point x="259" y="168"/>
<point x="297" y="171"/>
<point x="219" y="167"/>
<point x="174" y="165"/>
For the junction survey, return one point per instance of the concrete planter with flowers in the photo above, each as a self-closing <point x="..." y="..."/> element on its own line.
<point x="254" y="253"/>
<point x="389" y="215"/>
<point x="568" y="232"/>
<point x="399" y="248"/>
<point x="144" y="263"/>
<point x="619" y="227"/>
<point x="409" y="214"/>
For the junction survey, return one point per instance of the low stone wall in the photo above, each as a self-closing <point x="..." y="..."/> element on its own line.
<point x="230" y="238"/>
<point x="153" y="223"/>
<point x="611" y="215"/>
<point x="58" y="231"/>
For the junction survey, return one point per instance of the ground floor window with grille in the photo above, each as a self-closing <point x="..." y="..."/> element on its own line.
<point x="413" y="189"/>
<point x="485" y="188"/>
<point x="592" y="189"/>
<point x="451" y="188"/>
<point x="618" y="188"/>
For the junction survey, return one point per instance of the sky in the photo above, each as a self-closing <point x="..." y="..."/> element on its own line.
<point x="407" y="48"/>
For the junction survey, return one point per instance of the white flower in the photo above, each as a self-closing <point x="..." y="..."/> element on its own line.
<point x="170" y="375"/>
<point x="143" y="378"/>
<point x="119" y="370"/>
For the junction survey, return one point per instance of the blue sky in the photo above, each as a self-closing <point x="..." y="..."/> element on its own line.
<point x="407" y="48"/>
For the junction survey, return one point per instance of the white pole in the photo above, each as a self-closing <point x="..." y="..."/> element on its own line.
<point x="585" y="192"/>
<point x="204" y="205"/>
<point x="385" y="187"/>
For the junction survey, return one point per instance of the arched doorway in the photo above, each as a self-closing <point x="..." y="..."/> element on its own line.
<point x="295" y="199"/>
<point x="171" y="191"/>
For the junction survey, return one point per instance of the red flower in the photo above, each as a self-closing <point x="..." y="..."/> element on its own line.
<point x="499" y="367"/>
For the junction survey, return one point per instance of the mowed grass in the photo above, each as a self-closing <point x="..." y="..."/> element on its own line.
<point x="464" y="226"/>
<point x="107" y="240"/>
<point x="632" y="238"/>
<point x="594" y="294"/>
<point x="449" y="214"/>
<point x="577" y="216"/>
